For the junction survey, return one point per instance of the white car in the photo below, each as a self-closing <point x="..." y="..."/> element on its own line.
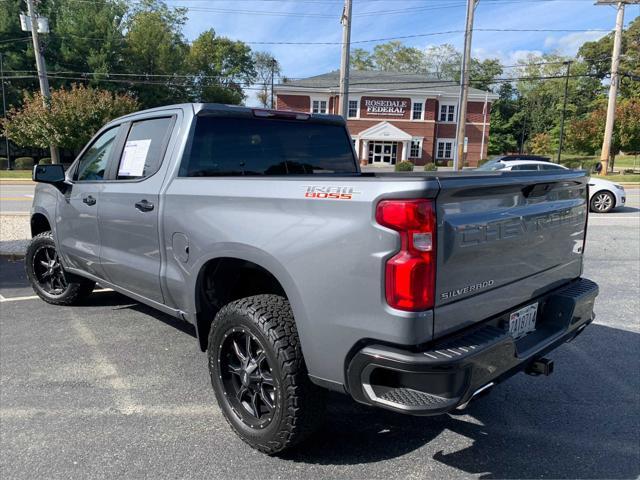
<point x="604" y="195"/>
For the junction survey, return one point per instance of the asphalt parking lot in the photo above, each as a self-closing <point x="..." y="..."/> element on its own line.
<point x="112" y="388"/>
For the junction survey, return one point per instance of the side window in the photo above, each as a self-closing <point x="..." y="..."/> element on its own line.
<point x="551" y="167"/>
<point x="526" y="167"/>
<point x="93" y="163"/>
<point x="144" y="148"/>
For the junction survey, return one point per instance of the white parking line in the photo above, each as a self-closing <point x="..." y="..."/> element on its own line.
<point x="196" y="410"/>
<point x="33" y="297"/>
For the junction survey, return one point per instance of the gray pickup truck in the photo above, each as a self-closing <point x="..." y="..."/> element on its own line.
<point x="412" y="292"/>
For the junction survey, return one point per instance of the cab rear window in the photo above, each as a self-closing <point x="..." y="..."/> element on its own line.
<point x="223" y="146"/>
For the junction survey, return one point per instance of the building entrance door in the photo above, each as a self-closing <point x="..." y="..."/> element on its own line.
<point x="383" y="152"/>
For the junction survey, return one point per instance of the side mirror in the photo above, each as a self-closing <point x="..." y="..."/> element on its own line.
<point x="48" y="174"/>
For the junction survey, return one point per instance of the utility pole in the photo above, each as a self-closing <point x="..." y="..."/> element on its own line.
<point x="273" y="69"/>
<point x="42" y="69"/>
<point x="564" y="107"/>
<point x="464" y="87"/>
<point x="605" y="154"/>
<point x="344" y="61"/>
<point x="4" y="110"/>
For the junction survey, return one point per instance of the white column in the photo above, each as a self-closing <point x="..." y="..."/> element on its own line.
<point x="357" y="147"/>
<point x="365" y="150"/>
<point x="405" y="150"/>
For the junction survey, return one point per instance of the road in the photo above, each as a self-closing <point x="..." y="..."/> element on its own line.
<point x="114" y="389"/>
<point x="16" y="198"/>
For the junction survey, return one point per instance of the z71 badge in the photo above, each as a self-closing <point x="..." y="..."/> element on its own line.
<point x="334" y="192"/>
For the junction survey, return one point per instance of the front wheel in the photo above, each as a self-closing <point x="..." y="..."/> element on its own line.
<point x="259" y="376"/>
<point x="47" y="276"/>
<point x="602" y="202"/>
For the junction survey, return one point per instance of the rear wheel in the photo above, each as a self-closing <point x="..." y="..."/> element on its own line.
<point x="602" y="202"/>
<point x="259" y="376"/>
<point x="47" y="276"/>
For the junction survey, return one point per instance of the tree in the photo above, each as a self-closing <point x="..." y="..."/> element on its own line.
<point x="443" y="62"/>
<point x="585" y="134"/>
<point x="33" y="125"/>
<point x="597" y="56"/>
<point x="89" y="38"/>
<point x="541" y="144"/>
<point x="155" y="49"/>
<point x="266" y="67"/>
<point x="483" y="73"/>
<point x="392" y="56"/>
<point x="507" y="121"/>
<point x="361" y="60"/>
<point x="219" y="68"/>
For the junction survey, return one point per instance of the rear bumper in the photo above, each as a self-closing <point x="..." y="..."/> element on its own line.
<point x="450" y="372"/>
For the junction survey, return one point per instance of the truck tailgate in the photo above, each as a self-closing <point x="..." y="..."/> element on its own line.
<point x="504" y="239"/>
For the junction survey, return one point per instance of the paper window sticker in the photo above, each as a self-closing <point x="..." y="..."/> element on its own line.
<point x="134" y="157"/>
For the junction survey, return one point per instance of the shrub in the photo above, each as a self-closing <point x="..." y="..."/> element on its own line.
<point x="450" y="163"/>
<point x="404" y="166"/>
<point x="482" y="161"/>
<point x="24" y="163"/>
<point x="3" y="163"/>
<point x="430" y="167"/>
<point x="45" y="161"/>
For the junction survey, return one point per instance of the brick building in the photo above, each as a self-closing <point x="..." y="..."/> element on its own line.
<point x="396" y="116"/>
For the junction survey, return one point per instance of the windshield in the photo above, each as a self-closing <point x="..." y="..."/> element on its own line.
<point x="491" y="166"/>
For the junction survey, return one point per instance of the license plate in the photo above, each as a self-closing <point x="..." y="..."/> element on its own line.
<point x="523" y="321"/>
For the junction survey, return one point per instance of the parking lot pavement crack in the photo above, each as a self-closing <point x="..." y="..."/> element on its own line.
<point x="107" y="371"/>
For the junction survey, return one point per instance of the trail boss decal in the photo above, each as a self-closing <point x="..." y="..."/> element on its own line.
<point x="465" y="290"/>
<point x="332" y="192"/>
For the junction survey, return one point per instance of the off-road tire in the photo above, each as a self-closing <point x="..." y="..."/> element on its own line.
<point x="299" y="404"/>
<point x="77" y="287"/>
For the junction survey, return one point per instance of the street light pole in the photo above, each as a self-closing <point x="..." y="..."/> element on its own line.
<point x="42" y="69"/>
<point x="4" y="110"/>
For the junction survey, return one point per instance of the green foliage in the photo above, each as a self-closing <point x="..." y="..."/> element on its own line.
<point x="73" y="118"/>
<point x="443" y="62"/>
<point x="597" y="57"/>
<point x="45" y="161"/>
<point x="23" y="163"/>
<point x="586" y="134"/>
<point x="392" y="56"/>
<point x="540" y="144"/>
<point x="156" y="47"/>
<point x="430" y="167"/>
<point x="450" y="163"/>
<point x="219" y="67"/>
<point x="404" y="166"/>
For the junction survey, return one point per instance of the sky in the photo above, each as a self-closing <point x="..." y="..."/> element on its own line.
<point x="255" y="21"/>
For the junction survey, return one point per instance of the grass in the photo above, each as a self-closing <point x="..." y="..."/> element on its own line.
<point x="15" y="174"/>
<point x="622" y="178"/>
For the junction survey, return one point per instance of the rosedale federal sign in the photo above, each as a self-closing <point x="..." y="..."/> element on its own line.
<point x="381" y="106"/>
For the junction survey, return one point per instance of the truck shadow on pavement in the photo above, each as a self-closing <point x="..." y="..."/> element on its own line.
<point x="582" y="422"/>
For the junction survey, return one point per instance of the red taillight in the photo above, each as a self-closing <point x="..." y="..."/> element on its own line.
<point x="410" y="274"/>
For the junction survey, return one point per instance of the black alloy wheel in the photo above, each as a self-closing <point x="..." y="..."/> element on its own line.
<point x="48" y="271"/>
<point x="247" y="378"/>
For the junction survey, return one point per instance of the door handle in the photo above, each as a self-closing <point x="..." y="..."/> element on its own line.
<point x="89" y="200"/>
<point x="144" y="206"/>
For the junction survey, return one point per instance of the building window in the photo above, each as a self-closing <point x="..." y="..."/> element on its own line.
<point x="319" y="106"/>
<point x="353" y="109"/>
<point x="416" y="148"/>
<point x="447" y="113"/>
<point x="417" y="111"/>
<point x="444" y="150"/>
